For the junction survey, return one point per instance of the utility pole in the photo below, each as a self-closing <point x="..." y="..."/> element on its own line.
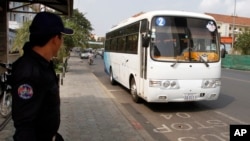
<point x="234" y="15"/>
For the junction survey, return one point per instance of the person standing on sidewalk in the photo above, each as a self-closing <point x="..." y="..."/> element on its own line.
<point x="35" y="88"/>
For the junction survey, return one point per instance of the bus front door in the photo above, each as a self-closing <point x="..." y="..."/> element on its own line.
<point x="124" y="71"/>
<point x="143" y="71"/>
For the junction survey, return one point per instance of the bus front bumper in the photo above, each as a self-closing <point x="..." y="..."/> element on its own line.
<point x="182" y="95"/>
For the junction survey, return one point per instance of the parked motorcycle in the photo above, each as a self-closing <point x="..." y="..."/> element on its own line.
<point x="5" y="95"/>
<point x="91" y="58"/>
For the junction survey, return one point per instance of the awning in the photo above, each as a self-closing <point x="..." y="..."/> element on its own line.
<point x="64" y="7"/>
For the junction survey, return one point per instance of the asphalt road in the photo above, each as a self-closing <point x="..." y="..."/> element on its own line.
<point x="191" y="121"/>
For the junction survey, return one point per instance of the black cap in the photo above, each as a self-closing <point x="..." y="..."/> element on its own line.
<point x="48" y="23"/>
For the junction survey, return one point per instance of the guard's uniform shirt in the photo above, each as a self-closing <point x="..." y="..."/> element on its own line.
<point x="36" y="101"/>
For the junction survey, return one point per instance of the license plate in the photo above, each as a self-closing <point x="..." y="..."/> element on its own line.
<point x="190" y="96"/>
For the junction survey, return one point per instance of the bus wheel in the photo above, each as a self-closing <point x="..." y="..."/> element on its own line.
<point x="133" y="91"/>
<point x="111" y="77"/>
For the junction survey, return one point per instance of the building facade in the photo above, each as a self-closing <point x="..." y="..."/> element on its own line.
<point x="16" y="20"/>
<point x="230" y="27"/>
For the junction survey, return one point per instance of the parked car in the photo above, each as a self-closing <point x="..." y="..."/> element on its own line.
<point x="99" y="52"/>
<point x="85" y="54"/>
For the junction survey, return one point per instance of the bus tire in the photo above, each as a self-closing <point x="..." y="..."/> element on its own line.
<point x="133" y="91"/>
<point x="111" y="77"/>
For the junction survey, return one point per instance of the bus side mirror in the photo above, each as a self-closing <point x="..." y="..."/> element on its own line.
<point x="145" y="39"/>
<point x="223" y="51"/>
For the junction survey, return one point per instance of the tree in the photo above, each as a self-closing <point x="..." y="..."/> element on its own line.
<point x="82" y="30"/>
<point x="243" y="43"/>
<point x="81" y="26"/>
<point x="22" y="36"/>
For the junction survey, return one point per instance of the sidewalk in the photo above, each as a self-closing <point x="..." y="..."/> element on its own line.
<point x="88" y="111"/>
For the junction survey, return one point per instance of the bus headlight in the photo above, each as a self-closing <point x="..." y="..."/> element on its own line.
<point x="166" y="84"/>
<point x="174" y="84"/>
<point x="169" y="84"/>
<point x="210" y="83"/>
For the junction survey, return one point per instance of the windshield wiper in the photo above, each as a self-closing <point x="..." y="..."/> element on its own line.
<point x="204" y="61"/>
<point x="177" y="61"/>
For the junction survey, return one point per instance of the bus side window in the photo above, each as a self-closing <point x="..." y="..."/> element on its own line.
<point x="113" y="45"/>
<point x="121" y="44"/>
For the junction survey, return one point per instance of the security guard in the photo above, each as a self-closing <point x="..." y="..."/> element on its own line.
<point x="35" y="88"/>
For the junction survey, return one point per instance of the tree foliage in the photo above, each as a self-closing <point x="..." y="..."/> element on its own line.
<point x="81" y="26"/>
<point x="243" y="43"/>
<point x="82" y="30"/>
<point x="22" y="36"/>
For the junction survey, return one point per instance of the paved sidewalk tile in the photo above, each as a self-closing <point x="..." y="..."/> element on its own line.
<point x="88" y="113"/>
<point x="7" y="133"/>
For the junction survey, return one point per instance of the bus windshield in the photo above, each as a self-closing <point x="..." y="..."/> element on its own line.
<point x="184" y="39"/>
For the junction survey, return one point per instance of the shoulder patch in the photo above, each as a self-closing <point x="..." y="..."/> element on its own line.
<point x="25" y="91"/>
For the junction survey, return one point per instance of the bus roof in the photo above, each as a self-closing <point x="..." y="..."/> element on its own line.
<point x="150" y="14"/>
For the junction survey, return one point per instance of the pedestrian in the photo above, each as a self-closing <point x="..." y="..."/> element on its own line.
<point x="35" y="87"/>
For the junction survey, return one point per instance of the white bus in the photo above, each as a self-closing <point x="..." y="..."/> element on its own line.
<point x="165" y="56"/>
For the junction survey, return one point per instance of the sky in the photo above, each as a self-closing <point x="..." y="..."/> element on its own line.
<point x="103" y="14"/>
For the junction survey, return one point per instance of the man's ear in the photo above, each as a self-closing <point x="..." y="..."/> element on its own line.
<point x="54" y="39"/>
